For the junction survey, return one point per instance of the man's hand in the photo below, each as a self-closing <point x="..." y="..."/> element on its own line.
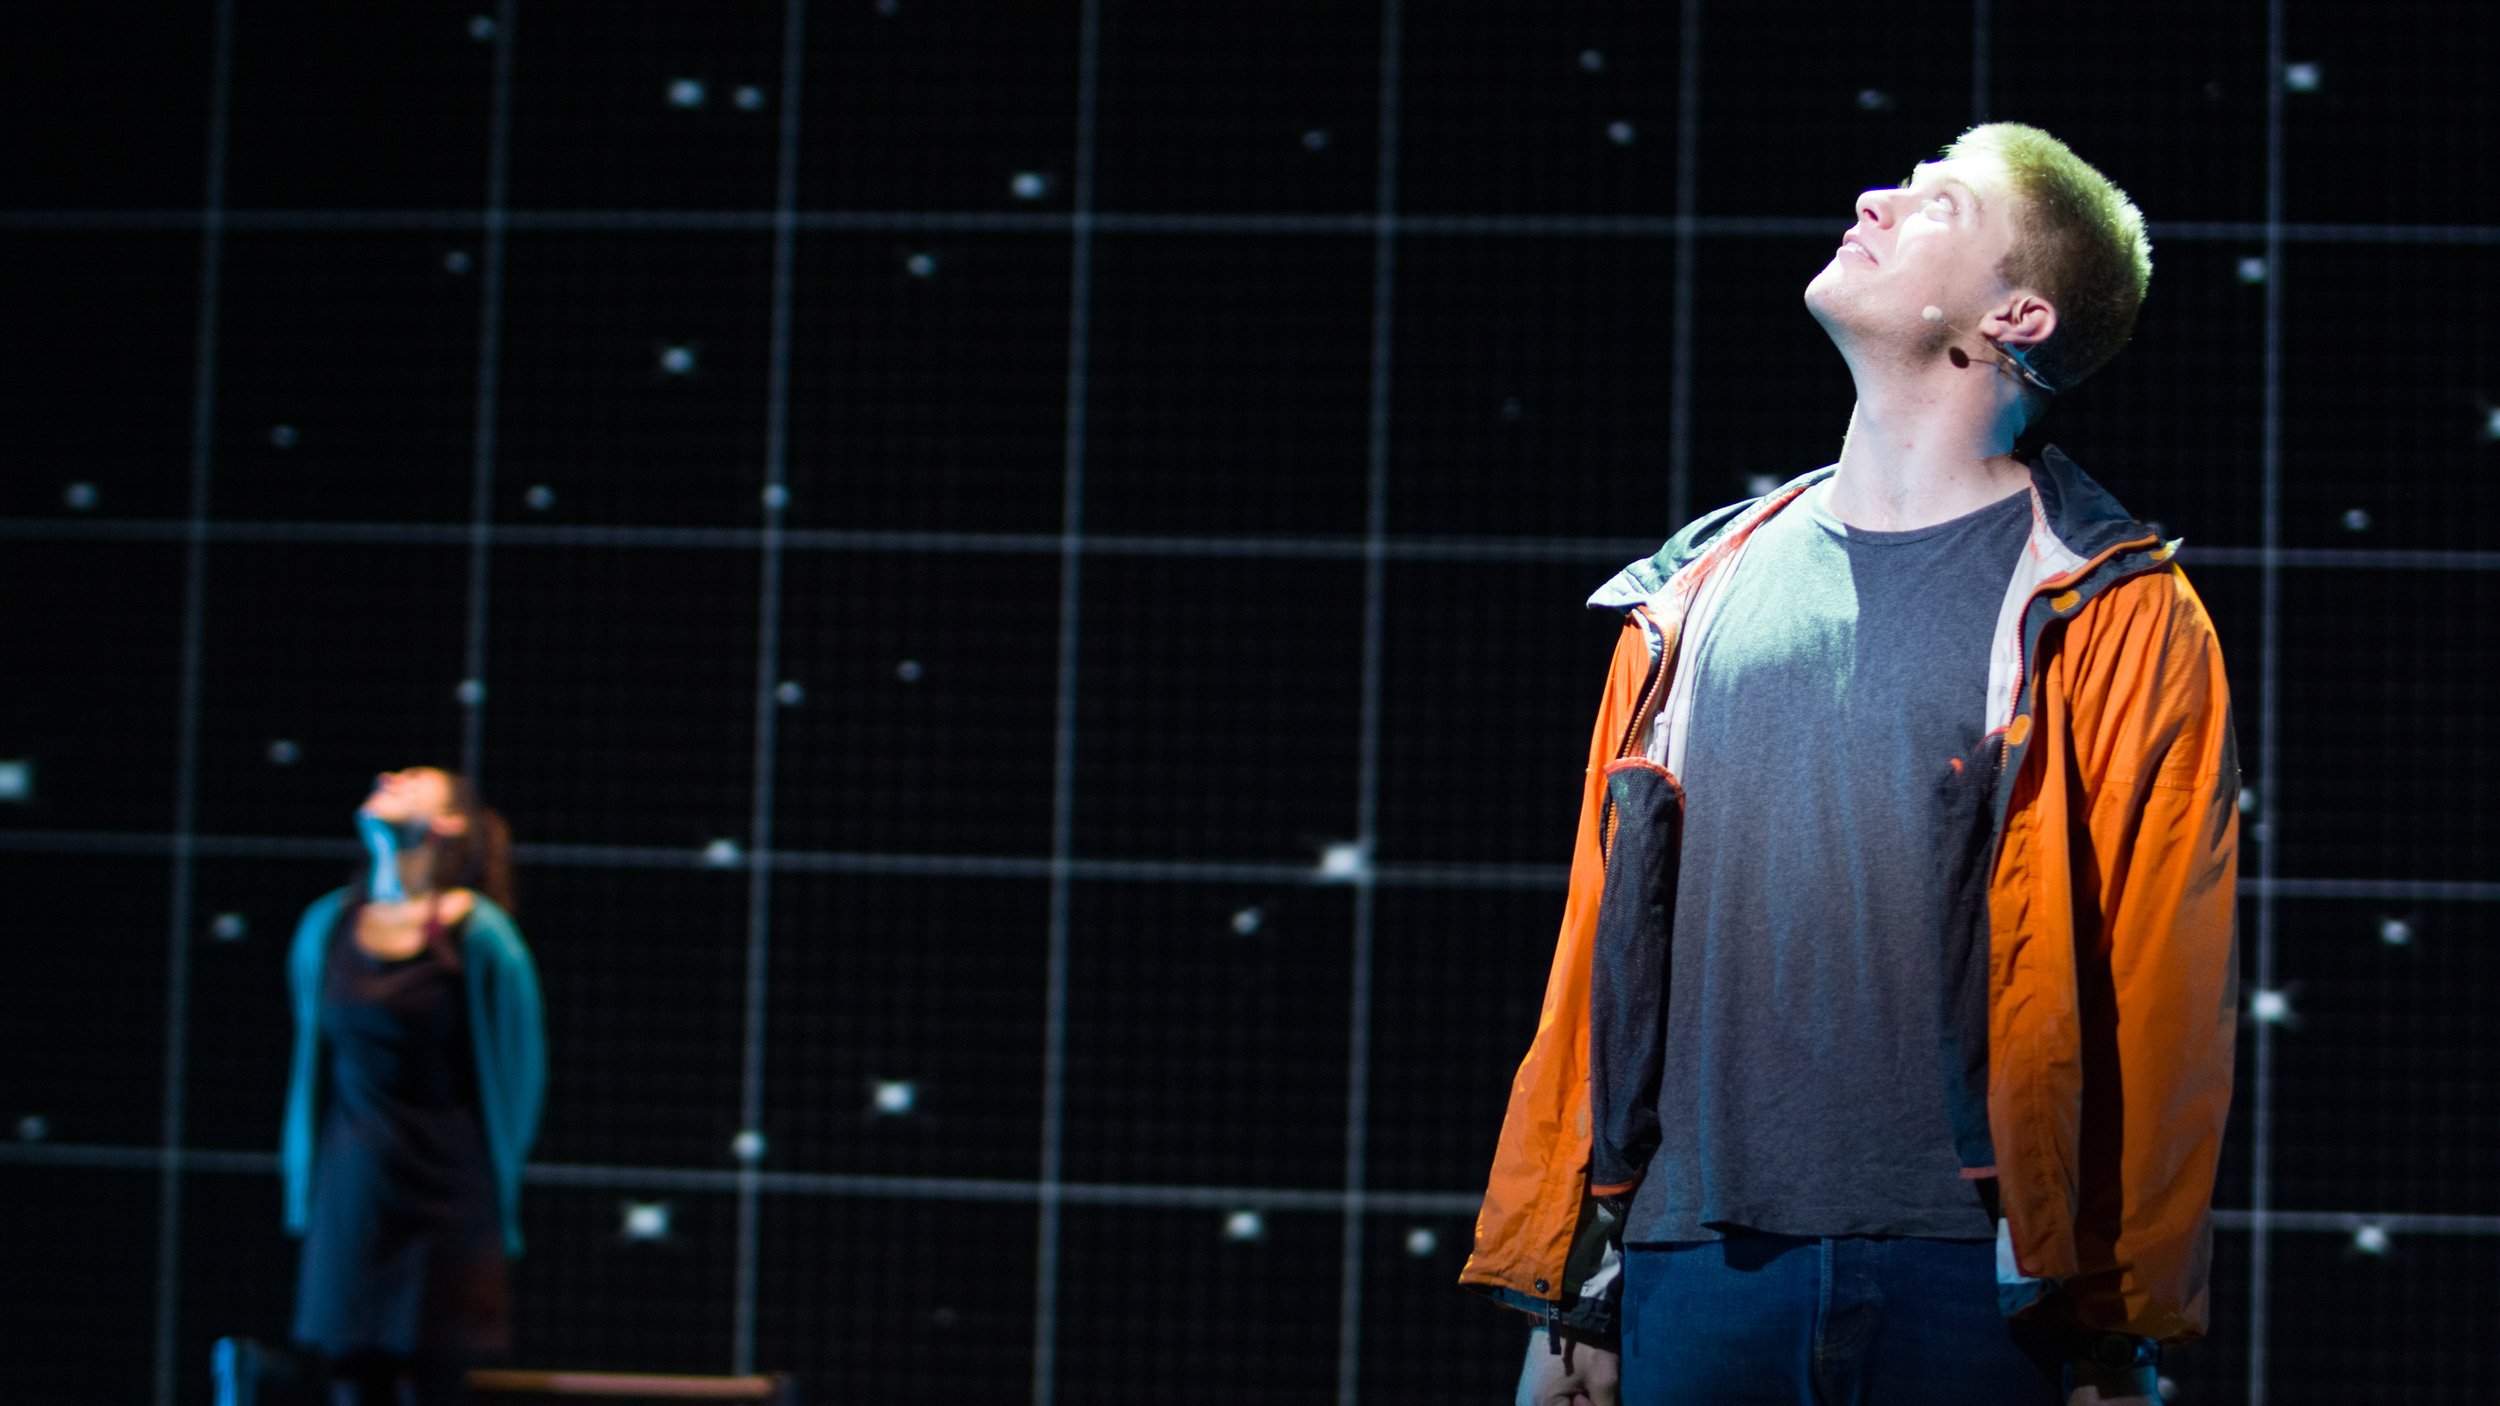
<point x="1579" y="1375"/>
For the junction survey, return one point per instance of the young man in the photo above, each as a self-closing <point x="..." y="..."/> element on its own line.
<point x="1887" y="1045"/>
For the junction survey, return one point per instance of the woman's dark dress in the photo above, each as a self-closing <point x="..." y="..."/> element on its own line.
<point x="404" y="1250"/>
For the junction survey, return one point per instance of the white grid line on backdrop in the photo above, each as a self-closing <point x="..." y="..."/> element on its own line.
<point x="2269" y="748"/>
<point x="472" y="692"/>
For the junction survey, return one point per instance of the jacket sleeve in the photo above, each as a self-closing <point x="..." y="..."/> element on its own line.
<point x="512" y="1044"/>
<point x="295" y="1136"/>
<point x="2158" y="982"/>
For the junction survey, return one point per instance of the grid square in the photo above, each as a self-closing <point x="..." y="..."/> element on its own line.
<point x="926" y="720"/>
<point x="1531" y="386"/>
<point x="358" y="107"/>
<point x="681" y="107"/>
<point x="347" y="377"/>
<point x="932" y="985"/>
<point x="73" y="1257"/>
<point x="96" y="376"/>
<point x="1207" y="1034"/>
<point x="321" y="666"/>
<point x="82" y="1017"/>
<point x="940" y="106"/>
<point x="1267" y="108"/>
<point x="1219" y="705"/>
<point x="241" y="1269"/>
<point x="2412" y="1325"/>
<point x="943" y="1283"/>
<point x="2388" y="760"/>
<point x="2384" y="1086"/>
<point x="591" y="1299"/>
<point x="2179" y="123"/>
<point x="1425" y="1339"/>
<point x="1540" y="109"/>
<point x="1491" y="687"/>
<point x="240" y="1033"/>
<point x="643" y="973"/>
<point x="1230" y="385"/>
<point x="620" y="703"/>
<point x="1157" y="1296"/>
<point x="2401" y="107"/>
<point x="1770" y="393"/>
<point x="2379" y="419"/>
<point x="1813" y="112"/>
<point x="2214" y="1368"/>
<point x="1458" y="980"/>
<point x="94" y="134"/>
<point x="97" y="726"/>
<point x="634" y="378"/>
<point x="929" y="381"/>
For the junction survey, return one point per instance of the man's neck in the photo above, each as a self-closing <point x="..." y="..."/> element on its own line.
<point x="1926" y="445"/>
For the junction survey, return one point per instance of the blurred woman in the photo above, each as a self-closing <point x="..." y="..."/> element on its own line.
<point x="419" y="1068"/>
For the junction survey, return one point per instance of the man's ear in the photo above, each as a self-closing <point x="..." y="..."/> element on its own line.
<point x="2022" y="322"/>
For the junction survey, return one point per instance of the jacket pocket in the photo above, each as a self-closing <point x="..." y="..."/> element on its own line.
<point x="1628" y="973"/>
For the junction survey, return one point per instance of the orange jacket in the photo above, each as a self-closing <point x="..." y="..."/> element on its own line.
<point x="2112" y="993"/>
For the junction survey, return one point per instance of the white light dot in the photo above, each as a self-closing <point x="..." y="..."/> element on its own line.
<point x="79" y="496"/>
<point x="283" y="436"/>
<point x="909" y="671"/>
<point x="2168" y="1389"/>
<point x="1592" y="60"/>
<point x="2252" y="269"/>
<point x="747" y="1146"/>
<point x="776" y="496"/>
<point x="748" y="97"/>
<point x="2491" y="423"/>
<point x="677" y="361"/>
<point x="1421" y="1242"/>
<point x="456" y="261"/>
<point x="789" y="693"/>
<point x="723" y="854"/>
<point x="1249" y="920"/>
<point x="228" y="927"/>
<point x="34" y="1127"/>
<point x="685" y="92"/>
<point x="1761" y="485"/>
<point x="1315" y="139"/>
<point x="889" y="8"/>
<point x="646" y="1220"/>
<point x="17" y="779"/>
<point x="1029" y="185"/>
<point x="2248" y="800"/>
<point x="284" y="753"/>
<point x="921" y="265"/>
<point x="2356" y="519"/>
<point x="540" y="497"/>
<point x="2395" y="932"/>
<point x="1245" y="1226"/>
<point x="1343" y="859"/>
<point x="894" y="1097"/>
<point x="2270" y="1007"/>
<point x="2370" y="1239"/>
<point x="470" y="692"/>
<point x="1874" y="100"/>
<point x="1620" y="133"/>
<point x="2301" y="77"/>
<point x="481" y="27"/>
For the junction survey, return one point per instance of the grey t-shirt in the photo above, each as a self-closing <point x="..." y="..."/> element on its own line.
<point x="1802" y="1090"/>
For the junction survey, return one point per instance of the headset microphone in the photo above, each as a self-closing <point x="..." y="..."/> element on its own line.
<point x="2013" y="361"/>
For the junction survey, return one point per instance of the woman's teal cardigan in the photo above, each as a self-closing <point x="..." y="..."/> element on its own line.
<point x="504" y="1020"/>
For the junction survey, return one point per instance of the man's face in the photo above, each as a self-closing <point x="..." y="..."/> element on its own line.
<point x="1938" y="239"/>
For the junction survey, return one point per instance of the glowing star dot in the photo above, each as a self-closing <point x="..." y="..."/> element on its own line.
<point x="1029" y="185"/>
<point x="1592" y="60"/>
<point x="470" y="692"/>
<point x="2270" y="1007"/>
<point x="2252" y="269"/>
<point x="2370" y="1239"/>
<point x="921" y="265"/>
<point x="2248" y="800"/>
<point x="1620" y="133"/>
<point x="776" y="496"/>
<point x="723" y="854"/>
<point x="2356" y="519"/>
<point x="646" y="1220"/>
<point x="894" y="1097"/>
<point x="540" y="497"/>
<point x="1760" y="485"/>
<point x="909" y="671"/>
<point x="34" y="1127"/>
<point x="1249" y="920"/>
<point x="1315" y="139"/>
<point x="1513" y="409"/>
<point x="456" y="261"/>
<point x="1244" y="1227"/>
<point x="1421" y="1242"/>
<point x="228" y="927"/>
<point x="1874" y="100"/>
<point x="889" y="8"/>
<point x="79" y="496"/>
<point x="789" y="693"/>
<point x="748" y="97"/>
<point x="2395" y="932"/>
<point x="2301" y="77"/>
<point x="685" y="92"/>
<point x="284" y="753"/>
<point x="481" y="28"/>
<point x="677" y="361"/>
<point x="17" y="779"/>
<point x="1343" y="860"/>
<point x="2491" y="423"/>
<point x="747" y="1146"/>
<point x="282" y="436"/>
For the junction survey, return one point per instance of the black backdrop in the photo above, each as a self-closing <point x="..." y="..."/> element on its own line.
<point x="1017" y="570"/>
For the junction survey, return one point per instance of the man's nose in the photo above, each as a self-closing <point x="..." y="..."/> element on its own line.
<point x="1875" y="207"/>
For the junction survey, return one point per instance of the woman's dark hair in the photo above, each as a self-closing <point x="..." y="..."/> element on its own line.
<point x="480" y="856"/>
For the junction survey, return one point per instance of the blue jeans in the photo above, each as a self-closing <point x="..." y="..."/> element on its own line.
<point x="1780" y="1320"/>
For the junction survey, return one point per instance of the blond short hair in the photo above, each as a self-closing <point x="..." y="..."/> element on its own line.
<point x="2079" y="242"/>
